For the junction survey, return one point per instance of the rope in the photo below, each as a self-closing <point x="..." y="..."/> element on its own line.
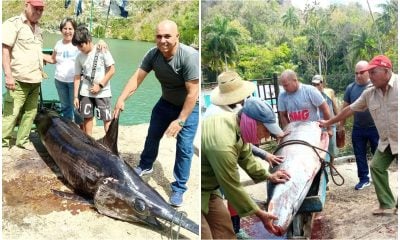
<point x="323" y="162"/>
<point x="182" y="214"/>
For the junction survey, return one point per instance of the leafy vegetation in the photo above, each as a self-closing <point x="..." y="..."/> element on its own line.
<point x="140" y="24"/>
<point x="274" y="35"/>
<point x="221" y="46"/>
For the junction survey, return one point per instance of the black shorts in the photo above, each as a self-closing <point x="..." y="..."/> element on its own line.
<point x="89" y="106"/>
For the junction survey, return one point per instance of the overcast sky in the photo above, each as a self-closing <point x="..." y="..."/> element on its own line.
<point x="324" y="3"/>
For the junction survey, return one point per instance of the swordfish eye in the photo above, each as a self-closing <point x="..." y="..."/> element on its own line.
<point x="140" y="206"/>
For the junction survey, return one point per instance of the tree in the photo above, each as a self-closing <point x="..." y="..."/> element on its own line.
<point x="320" y="37"/>
<point x="290" y="19"/>
<point x="220" y="45"/>
<point x="363" y="47"/>
<point x="388" y="19"/>
<point x="387" y="27"/>
<point x="326" y="40"/>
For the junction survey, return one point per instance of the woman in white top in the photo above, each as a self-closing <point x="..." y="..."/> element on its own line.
<point x="63" y="56"/>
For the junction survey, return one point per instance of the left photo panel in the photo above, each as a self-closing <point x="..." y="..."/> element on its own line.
<point x="100" y="119"/>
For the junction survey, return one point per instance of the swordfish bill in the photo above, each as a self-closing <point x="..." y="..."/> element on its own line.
<point x="94" y="169"/>
<point x="302" y="163"/>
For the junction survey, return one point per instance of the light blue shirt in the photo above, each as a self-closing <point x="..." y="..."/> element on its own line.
<point x="301" y="105"/>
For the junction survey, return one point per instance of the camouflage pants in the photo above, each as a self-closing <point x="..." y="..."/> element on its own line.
<point x="22" y="102"/>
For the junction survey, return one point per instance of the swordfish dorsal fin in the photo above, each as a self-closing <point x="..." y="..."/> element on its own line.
<point x="110" y="140"/>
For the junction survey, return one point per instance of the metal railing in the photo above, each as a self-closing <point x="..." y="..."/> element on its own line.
<point x="266" y="89"/>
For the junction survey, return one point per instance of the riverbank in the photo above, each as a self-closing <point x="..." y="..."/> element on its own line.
<point x="31" y="209"/>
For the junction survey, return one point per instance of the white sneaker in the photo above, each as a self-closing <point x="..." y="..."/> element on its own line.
<point x="362" y="185"/>
<point x="142" y="172"/>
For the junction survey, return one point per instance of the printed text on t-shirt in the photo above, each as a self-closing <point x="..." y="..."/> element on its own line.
<point x="302" y="115"/>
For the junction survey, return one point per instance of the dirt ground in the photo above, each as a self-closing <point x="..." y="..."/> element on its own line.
<point x="32" y="210"/>
<point x="347" y="213"/>
<point x="36" y="203"/>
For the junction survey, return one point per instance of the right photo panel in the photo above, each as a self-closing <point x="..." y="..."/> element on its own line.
<point x="299" y="119"/>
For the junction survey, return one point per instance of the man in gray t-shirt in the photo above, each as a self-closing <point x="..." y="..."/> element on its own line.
<point x="300" y="102"/>
<point x="176" y="114"/>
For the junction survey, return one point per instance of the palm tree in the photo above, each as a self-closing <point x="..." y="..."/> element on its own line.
<point x="320" y="38"/>
<point x="220" y="45"/>
<point x="290" y="19"/>
<point x="364" y="46"/>
<point x="388" y="19"/>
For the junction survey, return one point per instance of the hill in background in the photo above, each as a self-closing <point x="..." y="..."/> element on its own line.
<point x="139" y="25"/>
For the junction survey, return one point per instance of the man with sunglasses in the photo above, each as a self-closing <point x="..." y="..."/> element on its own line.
<point x="364" y="129"/>
<point x="22" y="61"/>
<point x="382" y="102"/>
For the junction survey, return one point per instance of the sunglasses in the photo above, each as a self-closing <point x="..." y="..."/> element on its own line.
<point x="315" y="84"/>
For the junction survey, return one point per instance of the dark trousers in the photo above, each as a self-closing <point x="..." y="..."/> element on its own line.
<point x="360" y="138"/>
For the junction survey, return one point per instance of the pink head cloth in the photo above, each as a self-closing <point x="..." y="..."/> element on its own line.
<point x="248" y="129"/>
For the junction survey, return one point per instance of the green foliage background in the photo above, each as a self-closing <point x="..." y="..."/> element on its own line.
<point x="276" y="36"/>
<point x="140" y="24"/>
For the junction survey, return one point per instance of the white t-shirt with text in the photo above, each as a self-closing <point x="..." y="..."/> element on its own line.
<point x="84" y="65"/>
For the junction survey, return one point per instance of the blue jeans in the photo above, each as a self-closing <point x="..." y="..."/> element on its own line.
<point x="162" y="115"/>
<point x="360" y="137"/>
<point x="65" y="92"/>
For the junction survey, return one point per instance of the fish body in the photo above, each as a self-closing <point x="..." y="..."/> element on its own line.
<point x="94" y="169"/>
<point x="302" y="162"/>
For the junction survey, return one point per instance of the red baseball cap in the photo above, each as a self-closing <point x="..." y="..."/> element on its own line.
<point x="378" y="61"/>
<point x="35" y="3"/>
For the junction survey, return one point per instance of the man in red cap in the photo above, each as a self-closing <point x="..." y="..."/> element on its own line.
<point x="23" y="72"/>
<point x="36" y="3"/>
<point x="382" y="102"/>
<point x="364" y="132"/>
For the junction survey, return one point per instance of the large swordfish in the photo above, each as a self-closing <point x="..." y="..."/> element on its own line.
<point x="95" y="170"/>
<point x="302" y="162"/>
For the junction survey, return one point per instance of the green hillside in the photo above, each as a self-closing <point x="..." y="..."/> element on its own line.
<point x="143" y="17"/>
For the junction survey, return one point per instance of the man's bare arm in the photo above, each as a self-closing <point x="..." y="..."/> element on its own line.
<point x="192" y="88"/>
